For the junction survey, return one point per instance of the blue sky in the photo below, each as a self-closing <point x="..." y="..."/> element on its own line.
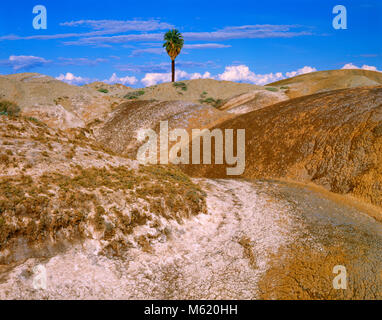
<point x="249" y="41"/>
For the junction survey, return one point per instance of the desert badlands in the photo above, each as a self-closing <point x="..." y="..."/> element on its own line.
<point x="80" y="212"/>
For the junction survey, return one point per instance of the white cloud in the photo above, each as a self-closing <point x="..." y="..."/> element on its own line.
<point x="24" y="62"/>
<point x="349" y="66"/>
<point x="206" y="75"/>
<point x="124" y="80"/>
<point x="364" y="67"/>
<point x="240" y="73"/>
<point x="303" y="70"/>
<point x="151" y="79"/>
<point x="78" y="80"/>
<point x="72" y="79"/>
<point x="370" y="68"/>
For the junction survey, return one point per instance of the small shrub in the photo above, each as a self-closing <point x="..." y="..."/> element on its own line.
<point x="103" y="90"/>
<point x="284" y="88"/>
<point x="9" y="108"/>
<point x="211" y="101"/>
<point x="273" y="89"/>
<point x="134" y="95"/>
<point x="378" y="130"/>
<point x="180" y="85"/>
<point x="4" y="159"/>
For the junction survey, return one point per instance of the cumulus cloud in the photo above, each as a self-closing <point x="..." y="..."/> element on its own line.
<point x="364" y="67"/>
<point x="78" y="80"/>
<point x="303" y="70"/>
<point x="72" y="79"/>
<point x="370" y="68"/>
<point x="24" y="62"/>
<point x="124" y="80"/>
<point x="239" y="73"/>
<point x="151" y="79"/>
<point x="205" y="75"/>
<point x="242" y="73"/>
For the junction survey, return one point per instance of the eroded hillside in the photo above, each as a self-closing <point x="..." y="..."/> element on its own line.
<point x="58" y="188"/>
<point x="54" y="102"/>
<point x="119" y="131"/>
<point x="333" y="139"/>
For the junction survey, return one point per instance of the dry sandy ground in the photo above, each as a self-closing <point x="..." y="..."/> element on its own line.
<point x="248" y="246"/>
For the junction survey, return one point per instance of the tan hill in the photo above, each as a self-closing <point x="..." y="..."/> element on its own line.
<point x="57" y="189"/>
<point x="205" y="91"/>
<point x="197" y="90"/>
<point x="253" y="100"/>
<point x="322" y="81"/>
<point x="333" y="139"/>
<point x="119" y="132"/>
<point x="115" y="90"/>
<point x="54" y="102"/>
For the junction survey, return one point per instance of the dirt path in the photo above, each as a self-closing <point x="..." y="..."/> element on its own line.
<point x="259" y="240"/>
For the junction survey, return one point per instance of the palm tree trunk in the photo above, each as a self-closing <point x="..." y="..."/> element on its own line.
<point x="173" y="70"/>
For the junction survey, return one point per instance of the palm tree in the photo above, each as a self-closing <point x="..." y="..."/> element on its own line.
<point x="173" y="44"/>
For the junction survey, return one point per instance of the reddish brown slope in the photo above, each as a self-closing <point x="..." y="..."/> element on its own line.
<point x="333" y="139"/>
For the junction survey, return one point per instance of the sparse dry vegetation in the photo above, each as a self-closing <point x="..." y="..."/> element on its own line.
<point x="9" y="108"/>
<point x="67" y="204"/>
